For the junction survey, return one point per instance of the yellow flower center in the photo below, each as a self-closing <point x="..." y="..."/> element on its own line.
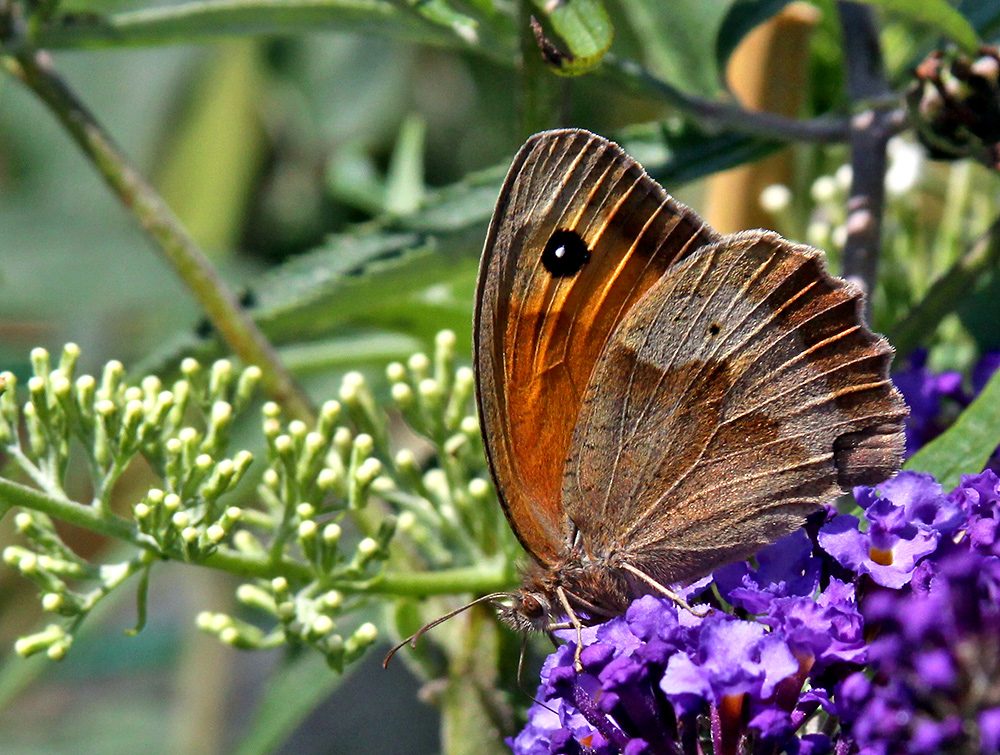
<point x="880" y="556"/>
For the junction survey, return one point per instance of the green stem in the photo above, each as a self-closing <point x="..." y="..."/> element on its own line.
<point x="15" y="494"/>
<point x="728" y="115"/>
<point x="235" y="327"/>
<point x="470" y="579"/>
<point x="473" y="579"/>
<point x="412" y="583"/>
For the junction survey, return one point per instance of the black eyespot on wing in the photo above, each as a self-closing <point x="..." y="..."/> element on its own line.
<point x="565" y="254"/>
<point x="714" y="328"/>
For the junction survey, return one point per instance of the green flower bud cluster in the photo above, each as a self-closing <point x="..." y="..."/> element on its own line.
<point x="300" y="521"/>
<point x="181" y="432"/>
<point x="304" y="616"/>
<point x="114" y="421"/>
<point x="448" y="509"/>
<point x="315" y="478"/>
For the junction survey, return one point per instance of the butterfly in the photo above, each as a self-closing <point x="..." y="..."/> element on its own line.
<point x="657" y="399"/>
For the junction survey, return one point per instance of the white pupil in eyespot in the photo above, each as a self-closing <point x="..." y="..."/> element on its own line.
<point x="560" y="252"/>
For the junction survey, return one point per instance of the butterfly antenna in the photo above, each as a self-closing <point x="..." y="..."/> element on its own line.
<point x="412" y="639"/>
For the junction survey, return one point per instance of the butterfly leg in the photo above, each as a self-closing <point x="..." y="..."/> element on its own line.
<point x="665" y="590"/>
<point x="577" y="625"/>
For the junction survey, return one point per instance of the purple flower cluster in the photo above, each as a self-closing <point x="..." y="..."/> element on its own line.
<point x="937" y="658"/>
<point x="877" y="634"/>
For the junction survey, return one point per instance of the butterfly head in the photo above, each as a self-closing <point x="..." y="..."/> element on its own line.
<point x="530" y="610"/>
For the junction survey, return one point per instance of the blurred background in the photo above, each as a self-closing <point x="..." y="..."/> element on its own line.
<point x="342" y="182"/>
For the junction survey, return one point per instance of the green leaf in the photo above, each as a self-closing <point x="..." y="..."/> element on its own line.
<point x="968" y="444"/>
<point x="966" y="286"/>
<point x="744" y="16"/>
<point x="405" y="179"/>
<point x="936" y="13"/>
<point x="189" y="21"/>
<point x="680" y="40"/>
<point x="351" y="351"/>
<point x="293" y="693"/>
<point x="586" y="29"/>
<point x="216" y="148"/>
<point x="979" y="309"/>
<point x="439" y="12"/>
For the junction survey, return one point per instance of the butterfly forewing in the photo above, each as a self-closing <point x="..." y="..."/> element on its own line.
<point x="740" y="393"/>
<point x="542" y="320"/>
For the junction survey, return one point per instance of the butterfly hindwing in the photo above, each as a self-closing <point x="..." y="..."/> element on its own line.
<point x="740" y="393"/>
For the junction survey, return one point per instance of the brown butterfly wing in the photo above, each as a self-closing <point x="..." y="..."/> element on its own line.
<point x="539" y="335"/>
<point x="739" y="394"/>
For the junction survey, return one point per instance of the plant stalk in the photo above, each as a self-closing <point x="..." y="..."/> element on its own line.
<point x="236" y="328"/>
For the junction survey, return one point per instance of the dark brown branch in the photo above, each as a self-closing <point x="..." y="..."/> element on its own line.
<point x="871" y="130"/>
<point x="730" y="116"/>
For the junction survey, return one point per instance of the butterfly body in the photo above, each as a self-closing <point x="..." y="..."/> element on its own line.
<point x="657" y="399"/>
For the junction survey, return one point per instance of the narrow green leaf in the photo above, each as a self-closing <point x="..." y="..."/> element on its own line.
<point x="439" y="12"/>
<point x="141" y="600"/>
<point x="189" y="21"/>
<point x="293" y="693"/>
<point x="354" y="181"/>
<point x="968" y="444"/>
<point x="675" y="154"/>
<point x="216" y="149"/>
<point x="936" y="13"/>
<point x="680" y="40"/>
<point x="586" y="29"/>
<point x="946" y="293"/>
<point x="405" y="179"/>
<point x="353" y="351"/>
